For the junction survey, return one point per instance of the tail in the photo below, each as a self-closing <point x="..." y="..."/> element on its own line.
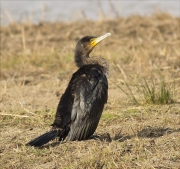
<point x="43" y="139"/>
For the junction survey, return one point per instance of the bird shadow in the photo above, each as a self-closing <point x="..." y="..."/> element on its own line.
<point x="108" y="138"/>
<point x="150" y="132"/>
<point x="147" y="132"/>
<point x="53" y="144"/>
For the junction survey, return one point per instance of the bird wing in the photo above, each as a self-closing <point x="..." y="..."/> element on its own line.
<point x="89" y="88"/>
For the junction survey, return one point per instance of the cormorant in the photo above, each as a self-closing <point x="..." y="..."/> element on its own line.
<point x="81" y="106"/>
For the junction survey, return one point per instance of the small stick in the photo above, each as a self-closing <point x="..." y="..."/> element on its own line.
<point x="175" y="80"/>
<point x="26" y="109"/>
<point x="84" y="15"/>
<point x="9" y="16"/>
<point x="23" y="39"/>
<point x="122" y="71"/>
<point x="113" y="9"/>
<point x="14" y="115"/>
<point x="133" y="131"/>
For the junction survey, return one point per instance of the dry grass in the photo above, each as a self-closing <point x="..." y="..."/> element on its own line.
<point x="36" y="65"/>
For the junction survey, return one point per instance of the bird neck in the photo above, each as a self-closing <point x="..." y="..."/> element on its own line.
<point x="82" y="59"/>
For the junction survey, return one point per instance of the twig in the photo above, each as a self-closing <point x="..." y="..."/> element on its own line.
<point x="122" y="71"/>
<point x="15" y="115"/>
<point x="23" y="39"/>
<point x="84" y="15"/>
<point x="44" y="8"/>
<point x="102" y="14"/>
<point x="133" y="131"/>
<point x="174" y="80"/>
<point x="26" y="109"/>
<point x="9" y="16"/>
<point x="113" y="9"/>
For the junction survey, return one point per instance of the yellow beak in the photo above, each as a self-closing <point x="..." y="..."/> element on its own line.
<point x="95" y="41"/>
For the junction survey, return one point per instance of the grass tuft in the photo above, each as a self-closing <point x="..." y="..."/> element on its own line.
<point x="161" y="93"/>
<point x="149" y="92"/>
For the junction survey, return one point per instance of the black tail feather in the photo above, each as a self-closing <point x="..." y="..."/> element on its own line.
<point x="43" y="139"/>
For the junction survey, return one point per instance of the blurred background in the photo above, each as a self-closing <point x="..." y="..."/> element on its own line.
<point x="50" y="11"/>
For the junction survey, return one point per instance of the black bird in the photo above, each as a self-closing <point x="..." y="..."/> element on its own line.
<point x="81" y="105"/>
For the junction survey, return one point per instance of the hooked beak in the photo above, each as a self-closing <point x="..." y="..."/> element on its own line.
<point x="95" y="41"/>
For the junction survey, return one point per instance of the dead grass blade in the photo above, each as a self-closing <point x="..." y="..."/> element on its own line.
<point x="15" y="115"/>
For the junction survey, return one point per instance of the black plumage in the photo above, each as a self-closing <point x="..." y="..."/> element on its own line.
<point x="82" y="103"/>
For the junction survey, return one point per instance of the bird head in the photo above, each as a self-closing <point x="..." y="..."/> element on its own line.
<point x="87" y="43"/>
